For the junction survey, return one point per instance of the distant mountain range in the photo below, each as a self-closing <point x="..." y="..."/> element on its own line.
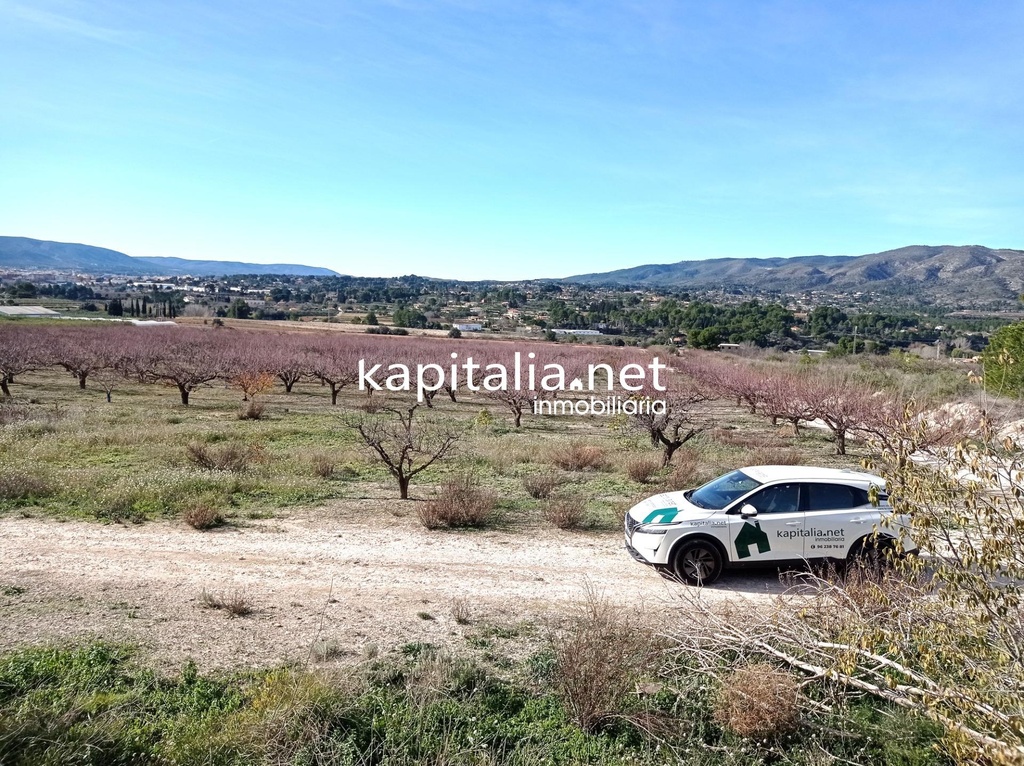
<point x="25" y="253"/>
<point x="946" y="274"/>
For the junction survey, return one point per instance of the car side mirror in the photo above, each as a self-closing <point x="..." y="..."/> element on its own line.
<point x="747" y="511"/>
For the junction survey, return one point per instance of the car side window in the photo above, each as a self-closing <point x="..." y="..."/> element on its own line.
<point x="781" y="498"/>
<point x="834" y="497"/>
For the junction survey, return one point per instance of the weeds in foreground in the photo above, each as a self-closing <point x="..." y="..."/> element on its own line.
<point x="461" y="611"/>
<point x="95" y="703"/>
<point x="760" y="701"/>
<point x="24" y="486"/>
<point x="600" y="659"/>
<point x="236" y="603"/>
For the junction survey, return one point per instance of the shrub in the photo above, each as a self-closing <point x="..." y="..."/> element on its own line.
<point x="599" y="660"/>
<point x="460" y="502"/>
<point x="251" y="410"/>
<point x="577" y="455"/>
<point x="758" y="701"/>
<point x="203" y="517"/>
<point x="640" y="468"/>
<point x="540" y="485"/>
<point x="227" y="457"/>
<point x="323" y="466"/>
<point x="566" y="511"/>
<point x="236" y="604"/>
<point x="461" y="611"/>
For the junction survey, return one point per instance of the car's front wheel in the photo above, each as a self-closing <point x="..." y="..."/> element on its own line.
<point x="698" y="562"/>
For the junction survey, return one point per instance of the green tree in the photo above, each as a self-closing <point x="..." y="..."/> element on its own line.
<point x="371" y="319"/>
<point x="708" y="338"/>
<point x="239" y="309"/>
<point x="22" y="290"/>
<point x="1003" y="361"/>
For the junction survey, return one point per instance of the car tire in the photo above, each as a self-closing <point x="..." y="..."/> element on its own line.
<point x="873" y="556"/>
<point x="698" y="562"/>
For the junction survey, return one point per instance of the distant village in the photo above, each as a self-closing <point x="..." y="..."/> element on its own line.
<point x="732" y="320"/>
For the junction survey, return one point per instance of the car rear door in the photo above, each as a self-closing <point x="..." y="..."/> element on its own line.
<point x="775" y="533"/>
<point x="837" y="516"/>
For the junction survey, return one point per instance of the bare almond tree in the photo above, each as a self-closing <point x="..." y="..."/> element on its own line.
<point x="785" y="397"/>
<point x="516" y="402"/>
<point x="335" y="363"/>
<point x="683" y="416"/>
<point x="186" y="359"/>
<point x="405" y="446"/>
<point x="19" y="353"/>
<point x="839" y="402"/>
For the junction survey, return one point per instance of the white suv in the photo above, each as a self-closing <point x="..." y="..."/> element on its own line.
<point x="761" y="515"/>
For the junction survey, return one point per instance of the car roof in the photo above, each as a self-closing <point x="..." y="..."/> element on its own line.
<point x="772" y="473"/>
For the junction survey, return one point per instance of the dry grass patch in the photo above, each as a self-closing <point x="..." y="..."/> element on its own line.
<point x="685" y="471"/>
<point x="237" y="603"/>
<point x="640" y="468"/>
<point x="460" y="502"/>
<point x="16" y="484"/>
<point x="566" y="511"/>
<point x="322" y="465"/>
<point x="227" y="457"/>
<point x="734" y="437"/>
<point x="577" y="455"/>
<point x="251" y="410"/>
<point x="599" y="661"/>
<point x="540" y="485"/>
<point x="768" y="455"/>
<point x="460" y="611"/>
<point x="758" y="701"/>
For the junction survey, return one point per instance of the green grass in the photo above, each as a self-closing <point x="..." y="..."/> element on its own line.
<point x="98" y="704"/>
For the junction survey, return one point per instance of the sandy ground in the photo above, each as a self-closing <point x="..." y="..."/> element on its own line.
<point x="329" y="576"/>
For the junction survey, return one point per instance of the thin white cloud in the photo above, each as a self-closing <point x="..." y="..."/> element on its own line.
<point x="61" y="23"/>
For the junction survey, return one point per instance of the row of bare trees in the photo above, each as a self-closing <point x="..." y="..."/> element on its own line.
<point x="190" y="358"/>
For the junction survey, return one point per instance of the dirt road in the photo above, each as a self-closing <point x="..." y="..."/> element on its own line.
<point x="381" y="581"/>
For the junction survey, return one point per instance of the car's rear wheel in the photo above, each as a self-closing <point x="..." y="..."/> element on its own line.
<point x="698" y="562"/>
<point x="873" y="556"/>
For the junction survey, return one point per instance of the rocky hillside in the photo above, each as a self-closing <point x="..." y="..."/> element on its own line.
<point x="946" y="274"/>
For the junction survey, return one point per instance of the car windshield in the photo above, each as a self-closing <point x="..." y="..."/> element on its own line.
<point x="720" y="492"/>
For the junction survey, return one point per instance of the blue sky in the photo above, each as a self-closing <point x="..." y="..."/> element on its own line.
<point x="497" y="139"/>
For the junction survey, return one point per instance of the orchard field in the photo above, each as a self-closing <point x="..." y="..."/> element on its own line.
<point x="208" y="560"/>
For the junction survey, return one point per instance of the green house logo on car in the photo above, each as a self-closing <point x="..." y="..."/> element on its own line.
<point x="661" y="516"/>
<point x="751" y="534"/>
